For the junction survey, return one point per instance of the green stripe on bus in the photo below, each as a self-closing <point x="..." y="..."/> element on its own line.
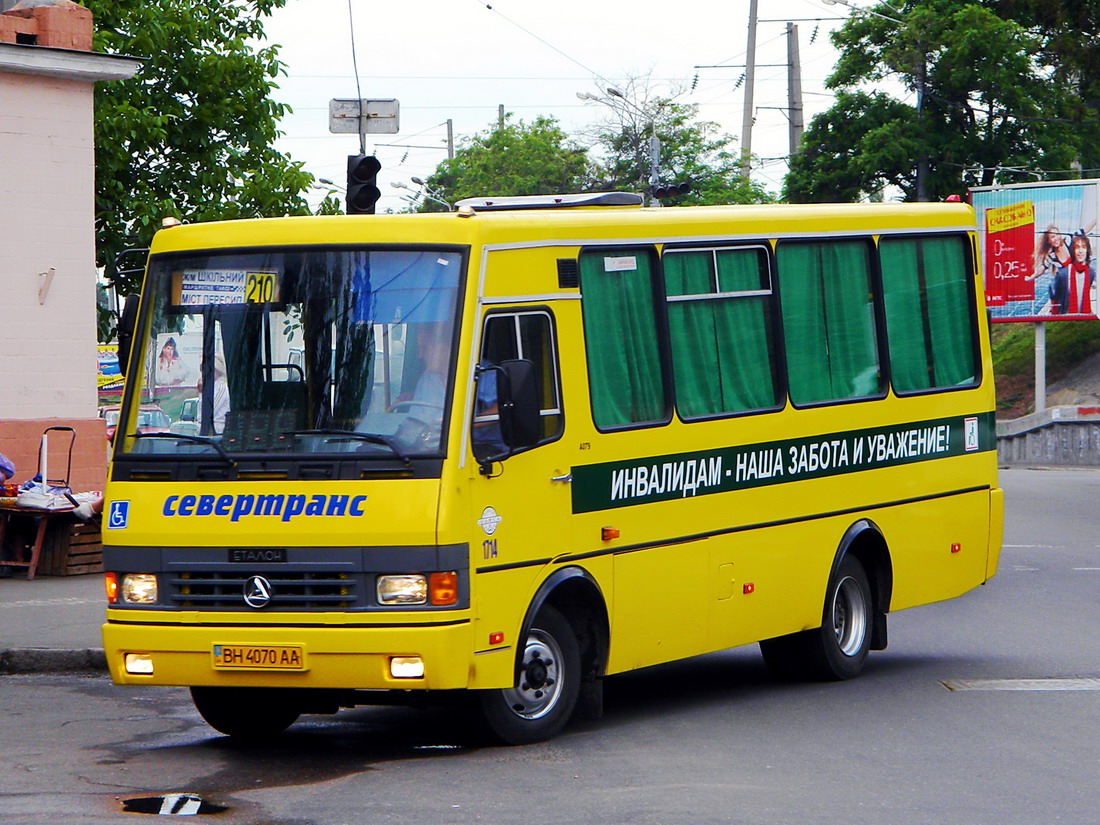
<point x="663" y="478"/>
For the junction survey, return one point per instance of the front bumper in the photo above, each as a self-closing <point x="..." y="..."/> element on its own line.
<point x="335" y="657"/>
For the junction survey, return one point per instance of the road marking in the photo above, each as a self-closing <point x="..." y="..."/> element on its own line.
<point x="47" y="602"/>
<point x="1083" y="569"/>
<point x="1021" y="684"/>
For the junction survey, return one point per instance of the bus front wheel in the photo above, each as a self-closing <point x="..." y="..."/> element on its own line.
<point x="250" y="714"/>
<point x="838" y="649"/>
<point x="547" y="684"/>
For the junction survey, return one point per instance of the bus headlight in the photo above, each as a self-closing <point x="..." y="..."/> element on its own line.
<point x="408" y="589"/>
<point x="139" y="588"/>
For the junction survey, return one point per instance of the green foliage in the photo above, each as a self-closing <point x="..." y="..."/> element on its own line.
<point x="980" y="98"/>
<point x="518" y="159"/>
<point x="1068" y="344"/>
<point x="539" y="158"/>
<point x="191" y="135"/>
<point x="690" y="150"/>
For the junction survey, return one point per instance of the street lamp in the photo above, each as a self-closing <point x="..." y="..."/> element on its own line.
<point x="325" y="185"/>
<point x="922" y="162"/>
<point x="423" y="192"/>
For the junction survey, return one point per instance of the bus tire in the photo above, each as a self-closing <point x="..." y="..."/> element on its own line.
<point x="547" y="685"/>
<point x="838" y="649"/>
<point x="248" y="714"/>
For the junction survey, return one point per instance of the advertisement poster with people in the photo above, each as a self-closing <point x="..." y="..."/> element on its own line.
<point x="1038" y="243"/>
<point x="177" y="360"/>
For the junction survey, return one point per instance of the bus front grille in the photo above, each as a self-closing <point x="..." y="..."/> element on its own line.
<point x="288" y="591"/>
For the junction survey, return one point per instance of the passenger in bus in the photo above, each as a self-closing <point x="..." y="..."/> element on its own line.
<point x="221" y="398"/>
<point x="424" y="408"/>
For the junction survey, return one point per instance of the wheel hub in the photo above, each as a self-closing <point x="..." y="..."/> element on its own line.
<point x="537" y="689"/>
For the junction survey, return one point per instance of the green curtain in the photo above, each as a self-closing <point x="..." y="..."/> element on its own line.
<point x="908" y="333"/>
<point x="828" y="320"/>
<point x="621" y="337"/>
<point x="949" y="310"/>
<point x="928" y="314"/>
<point x="721" y="347"/>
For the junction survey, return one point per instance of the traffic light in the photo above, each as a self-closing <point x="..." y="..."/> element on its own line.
<point x="363" y="192"/>
<point x="670" y="190"/>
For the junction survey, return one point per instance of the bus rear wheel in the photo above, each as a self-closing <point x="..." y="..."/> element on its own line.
<point x="838" y="649"/>
<point x="248" y="714"/>
<point x="547" y="684"/>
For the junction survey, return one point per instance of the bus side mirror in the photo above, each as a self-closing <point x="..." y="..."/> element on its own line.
<point x="520" y="418"/>
<point x="507" y="415"/>
<point x="127" y="321"/>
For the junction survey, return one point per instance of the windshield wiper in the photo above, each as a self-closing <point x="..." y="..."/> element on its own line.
<point x="198" y="439"/>
<point x="373" y="438"/>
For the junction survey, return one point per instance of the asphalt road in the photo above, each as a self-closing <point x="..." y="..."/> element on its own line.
<point x="710" y="740"/>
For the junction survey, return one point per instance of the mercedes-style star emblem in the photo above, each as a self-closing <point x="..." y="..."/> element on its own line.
<point x="257" y="591"/>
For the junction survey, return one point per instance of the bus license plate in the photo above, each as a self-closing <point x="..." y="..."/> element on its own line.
<point x="259" y="657"/>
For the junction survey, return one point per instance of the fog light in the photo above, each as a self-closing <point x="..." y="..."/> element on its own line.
<point x="139" y="663"/>
<point x="412" y="589"/>
<point x="407" y="667"/>
<point x="139" y="588"/>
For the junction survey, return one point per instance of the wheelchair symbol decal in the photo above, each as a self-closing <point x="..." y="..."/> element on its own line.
<point x="119" y="514"/>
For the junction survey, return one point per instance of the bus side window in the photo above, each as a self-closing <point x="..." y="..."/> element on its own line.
<point x="724" y="348"/>
<point x="622" y="334"/>
<point x="930" y="324"/>
<point x="518" y="336"/>
<point x="828" y="311"/>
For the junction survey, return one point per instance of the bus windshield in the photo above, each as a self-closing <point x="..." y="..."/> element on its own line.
<point x="298" y="350"/>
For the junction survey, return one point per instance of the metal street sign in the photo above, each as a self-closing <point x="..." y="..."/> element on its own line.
<point x="378" y="117"/>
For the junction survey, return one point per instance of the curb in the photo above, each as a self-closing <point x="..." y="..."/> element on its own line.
<point x="51" y="660"/>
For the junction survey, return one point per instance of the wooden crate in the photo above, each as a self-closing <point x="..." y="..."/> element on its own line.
<point x="71" y="548"/>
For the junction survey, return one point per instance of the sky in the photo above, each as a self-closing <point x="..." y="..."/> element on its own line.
<point x="462" y="59"/>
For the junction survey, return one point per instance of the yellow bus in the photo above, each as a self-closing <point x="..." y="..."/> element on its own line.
<point x="507" y="451"/>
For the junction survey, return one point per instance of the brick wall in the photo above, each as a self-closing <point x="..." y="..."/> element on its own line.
<point x="20" y="440"/>
<point x="64" y="25"/>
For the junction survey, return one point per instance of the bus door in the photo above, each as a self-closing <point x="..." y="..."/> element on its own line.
<point x="521" y="505"/>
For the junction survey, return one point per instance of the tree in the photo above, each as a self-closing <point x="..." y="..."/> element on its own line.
<point x="981" y="105"/>
<point x="191" y="135"/>
<point x="691" y="151"/>
<point x="515" y="159"/>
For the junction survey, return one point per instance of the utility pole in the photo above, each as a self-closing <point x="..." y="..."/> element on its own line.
<point x="794" y="88"/>
<point x="750" y="80"/>
<point x="450" y="139"/>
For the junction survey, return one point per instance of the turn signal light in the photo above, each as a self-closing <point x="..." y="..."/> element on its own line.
<point x="443" y="588"/>
<point x="609" y="533"/>
<point x="110" y="584"/>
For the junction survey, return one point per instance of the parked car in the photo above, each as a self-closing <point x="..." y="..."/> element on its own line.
<point x="188" y="423"/>
<point x="150" y="419"/>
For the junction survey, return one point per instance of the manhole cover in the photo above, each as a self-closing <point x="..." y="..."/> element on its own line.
<point x="173" y="804"/>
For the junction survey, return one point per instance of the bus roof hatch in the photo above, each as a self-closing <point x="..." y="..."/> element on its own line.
<point x="552" y="201"/>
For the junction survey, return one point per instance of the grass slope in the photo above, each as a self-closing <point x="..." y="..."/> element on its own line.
<point x="1068" y="344"/>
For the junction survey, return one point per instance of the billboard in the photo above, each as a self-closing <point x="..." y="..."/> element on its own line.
<point x="109" y="378"/>
<point x="1037" y="244"/>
